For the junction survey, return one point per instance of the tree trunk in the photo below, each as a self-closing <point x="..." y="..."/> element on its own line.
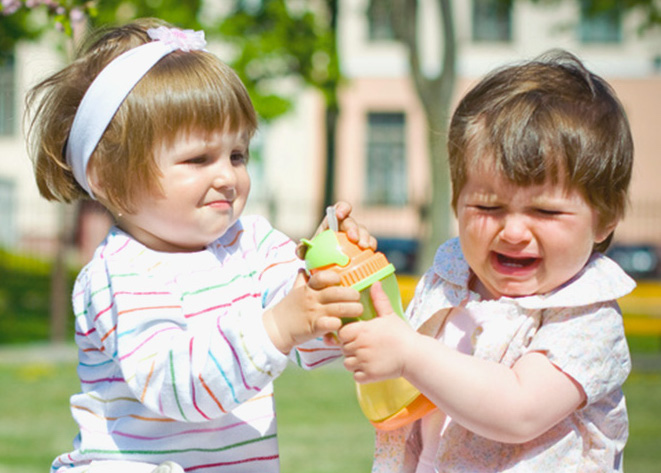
<point x="329" y="180"/>
<point x="60" y="290"/>
<point x="435" y="94"/>
<point x="438" y="216"/>
<point x="332" y="113"/>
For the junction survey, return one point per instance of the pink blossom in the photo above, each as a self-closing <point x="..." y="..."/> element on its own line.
<point x="186" y="40"/>
<point x="10" y="6"/>
<point x="76" y="16"/>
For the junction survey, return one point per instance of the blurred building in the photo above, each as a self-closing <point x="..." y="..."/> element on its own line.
<point x="382" y="151"/>
<point x="382" y="159"/>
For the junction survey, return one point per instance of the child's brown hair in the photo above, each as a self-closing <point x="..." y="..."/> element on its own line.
<point x="183" y="92"/>
<point x="547" y="119"/>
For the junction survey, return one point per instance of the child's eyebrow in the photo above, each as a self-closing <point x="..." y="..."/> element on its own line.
<point x="486" y="197"/>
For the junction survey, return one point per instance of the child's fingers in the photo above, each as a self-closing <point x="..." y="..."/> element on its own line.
<point x="355" y="232"/>
<point x="352" y="365"/>
<point x="342" y="209"/>
<point x="330" y="339"/>
<point x="360" y="377"/>
<point x="323" y="279"/>
<point x="340" y="302"/>
<point x="324" y="325"/>
<point x="348" y="334"/>
<point x="380" y="300"/>
<point x="343" y="310"/>
<point x="365" y="239"/>
<point x="349" y="363"/>
<point x="359" y="234"/>
<point x="301" y="279"/>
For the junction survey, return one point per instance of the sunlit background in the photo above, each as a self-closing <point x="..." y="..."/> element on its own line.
<point x="354" y="98"/>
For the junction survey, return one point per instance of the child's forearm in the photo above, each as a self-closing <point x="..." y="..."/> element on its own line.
<point x="510" y="405"/>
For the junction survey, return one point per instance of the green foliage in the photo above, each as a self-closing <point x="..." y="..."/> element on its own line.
<point x="274" y="41"/>
<point x="25" y="299"/>
<point x="61" y="14"/>
<point x="13" y="28"/>
<point x="23" y="20"/>
<point x="182" y="13"/>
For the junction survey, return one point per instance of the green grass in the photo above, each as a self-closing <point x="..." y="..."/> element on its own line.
<point x="643" y="453"/>
<point x="321" y="427"/>
<point x="35" y="422"/>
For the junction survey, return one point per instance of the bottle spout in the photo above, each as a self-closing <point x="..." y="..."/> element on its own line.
<point x="324" y="250"/>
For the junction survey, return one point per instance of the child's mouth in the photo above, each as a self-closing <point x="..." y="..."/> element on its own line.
<point x="515" y="263"/>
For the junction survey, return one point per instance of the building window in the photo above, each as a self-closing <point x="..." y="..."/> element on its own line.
<point x="492" y="20"/>
<point x="386" y="160"/>
<point x="7" y="213"/>
<point x="378" y="17"/>
<point x="7" y="96"/>
<point x="600" y="26"/>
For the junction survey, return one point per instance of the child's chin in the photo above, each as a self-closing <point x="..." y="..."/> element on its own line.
<point x="517" y="291"/>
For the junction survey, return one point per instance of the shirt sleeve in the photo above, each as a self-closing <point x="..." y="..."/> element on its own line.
<point x="280" y="265"/>
<point x="590" y="346"/>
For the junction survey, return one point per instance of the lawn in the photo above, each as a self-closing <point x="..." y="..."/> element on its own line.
<point x="321" y="427"/>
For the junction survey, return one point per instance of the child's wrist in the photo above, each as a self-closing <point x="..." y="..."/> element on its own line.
<point x="282" y="342"/>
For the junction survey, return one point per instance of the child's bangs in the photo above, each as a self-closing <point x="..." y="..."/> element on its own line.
<point x="523" y="143"/>
<point x="195" y="91"/>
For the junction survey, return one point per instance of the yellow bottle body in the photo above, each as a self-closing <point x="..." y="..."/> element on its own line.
<point x="383" y="400"/>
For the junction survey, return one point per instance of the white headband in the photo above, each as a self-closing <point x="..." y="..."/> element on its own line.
<point x="111" y="86"/>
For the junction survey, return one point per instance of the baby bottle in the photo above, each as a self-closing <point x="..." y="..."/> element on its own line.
<point x="387" y="404"/>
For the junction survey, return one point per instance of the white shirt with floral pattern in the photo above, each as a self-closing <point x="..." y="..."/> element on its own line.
<point x="578" y="327"/>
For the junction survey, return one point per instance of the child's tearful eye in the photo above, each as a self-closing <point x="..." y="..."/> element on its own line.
<point x="487" y="208"/>
<point x="549" y="212"/>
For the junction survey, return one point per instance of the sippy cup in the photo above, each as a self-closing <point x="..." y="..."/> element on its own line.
<point x="387" y="404"/>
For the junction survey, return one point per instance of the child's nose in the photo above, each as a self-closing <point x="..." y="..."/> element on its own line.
<point x="515" y="229"/>
<point x="223" y="175"/>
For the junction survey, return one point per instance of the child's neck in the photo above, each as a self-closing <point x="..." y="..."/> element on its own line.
<point x="475" y="285"/>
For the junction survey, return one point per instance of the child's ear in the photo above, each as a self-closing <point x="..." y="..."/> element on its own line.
<point x="605" y="230"/>
<point x="94" y="182"/>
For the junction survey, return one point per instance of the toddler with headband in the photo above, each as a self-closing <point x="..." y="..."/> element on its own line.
<point x="187" y="311"/>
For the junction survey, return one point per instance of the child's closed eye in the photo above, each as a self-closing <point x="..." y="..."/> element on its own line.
<point x="239" y="157"/>
<point x="487" y="208"/>
<point x="197" y="160"/>
<point x="549" y="212"/>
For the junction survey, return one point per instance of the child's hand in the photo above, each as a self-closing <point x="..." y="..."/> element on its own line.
<point x="376" y="349"/>
<point x="355" y="232"/>
<point x="311" y="310"/>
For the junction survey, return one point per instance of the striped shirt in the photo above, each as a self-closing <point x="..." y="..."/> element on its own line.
<point x="174" y="361"/>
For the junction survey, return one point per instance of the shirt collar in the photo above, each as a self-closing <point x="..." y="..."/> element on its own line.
<point x="600" y="280"/>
